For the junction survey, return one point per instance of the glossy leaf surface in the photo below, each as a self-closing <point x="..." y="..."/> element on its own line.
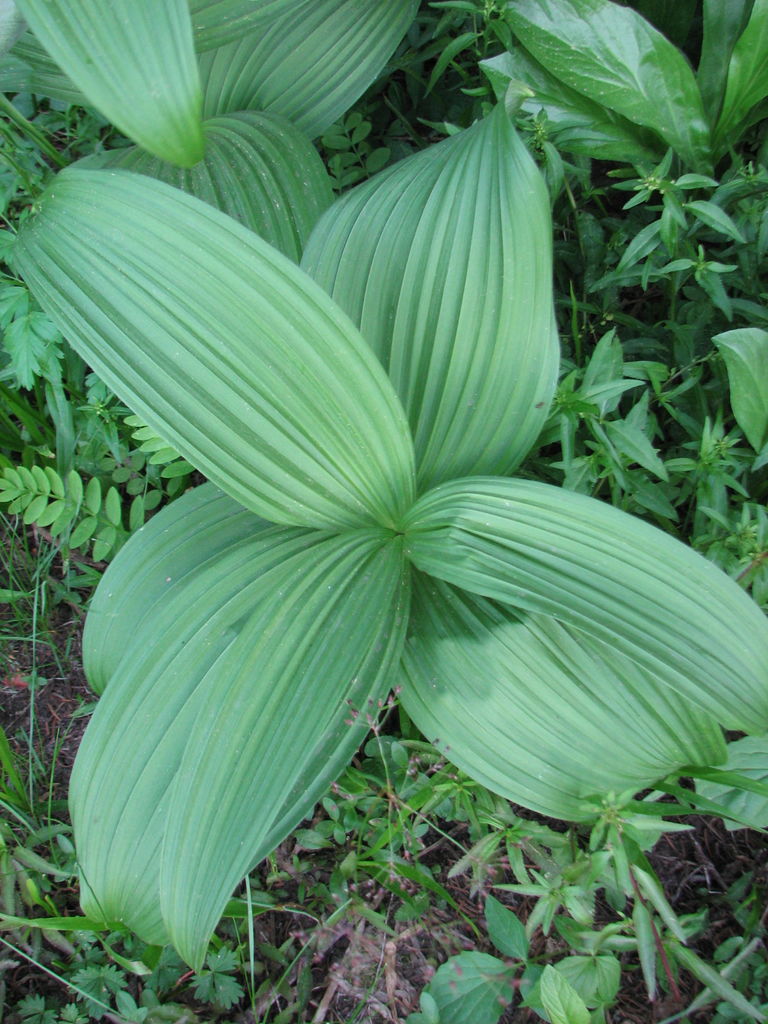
<point x="612" y="55"/>
<point x="578" y="124"/>
<point x="747" y="81"/>
<point x="540" y="712"/>
<point x="745" y="352"/>
<point x="257" y="168"/>
<point x="444" y="263"/>
<point x="135" y="61"/>
<point x="543" y="549"/>
<point x="722" y="24"/>
<point x="232" y="717"/>
<point x="309" y="64"/>
<point x="223" y="346"/>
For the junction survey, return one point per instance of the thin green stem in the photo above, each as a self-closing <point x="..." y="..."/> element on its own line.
<point x="32" y="132"/>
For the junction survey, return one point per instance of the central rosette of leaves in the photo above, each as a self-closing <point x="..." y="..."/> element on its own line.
<point x="358" y="420"/>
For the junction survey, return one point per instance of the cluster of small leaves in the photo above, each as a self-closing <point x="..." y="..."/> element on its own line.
<point x="351" y="157"/>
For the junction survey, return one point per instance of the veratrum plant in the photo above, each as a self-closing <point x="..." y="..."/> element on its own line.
<point x="359" y="531"/>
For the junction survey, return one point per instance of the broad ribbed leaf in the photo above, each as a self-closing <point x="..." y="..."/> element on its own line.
<point x="135" y="61"/>
<point x="539" y="712"/>
<point x="309" y="64"/>
<point x="575" y="123"/>
<point x="615" y="57"/>
<point x="216" y="22"/>
<point x="543" y="549"/>
<point x="257" y="646"/>
<point x="748" y="757"/>
<point x="223" y="346"/>
<point x="722" y="25"/>
<point x="747" y="81"/>
<point x="745" y="352"/>
<point x="11" y="24"/>
<point x="445" y="264"/>
<point x="257" y="168"/>
<point x="29" y="68"/>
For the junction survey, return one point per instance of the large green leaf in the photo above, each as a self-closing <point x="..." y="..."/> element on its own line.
<point x="543" y="549"/>
<point x="745" y="352"/>
<point x="538" y="711"/>
<point x="216" y="22"/>
<point x="258" y="168"/>
<point x="445" y="264"/>
<point x="747" y="81"/>
<point x="222" y="345"/>
<point x="232" y="715"/>
<point x="574" y="123"/>
<point x="722" y="25"/>
<point x="135" y="61"/>
<point x="309" y="64"/>
<point x="29" y="68"/>
<point x="612" y="55"/>
<point x="748" y="757"/>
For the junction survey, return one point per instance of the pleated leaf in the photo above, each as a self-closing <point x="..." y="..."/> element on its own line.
<point x="228" y="720"/>
<point x="29" y="68"/>
<point x="747" y="81"/>
<point x="445" y="264"/>
<point x="223" y="346"/>
<point x="216" y="22"/>
<point x="258" y="168"/>
<point x="539" y="712"/>
<point x="748" y="757"/>
<point x="135" y="61"/>
<point x="546" y="550"/>
<point x="615" y="57"/>
<point x="309" y="64"/>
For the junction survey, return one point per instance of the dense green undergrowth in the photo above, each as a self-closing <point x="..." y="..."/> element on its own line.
<point x="413" y="892"/>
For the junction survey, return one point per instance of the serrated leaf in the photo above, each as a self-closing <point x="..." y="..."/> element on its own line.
<point x="224" y="347"/>
<point x="745" y="352"/>
<point x="545" y="550"/>
<point x="258" y="168"/>
<point x="612" y="55"/>
<point x="715" y="217"/>
<point x="635" y="445"/>
<point x="309" y="64"/>
<point x="444" y="263"/>
<point x="560" y="1000"/>
<point x="471" y="987"/>
<point x="30" y="341"/>
<point x="135" y="61"/>
<point x="505" y="929"/>
<point x="553" y="718"/>
<point x="257" y="642"/>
